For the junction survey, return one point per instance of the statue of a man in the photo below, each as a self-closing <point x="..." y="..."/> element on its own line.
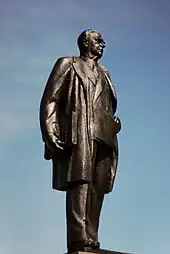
<point x="79" y="127"/>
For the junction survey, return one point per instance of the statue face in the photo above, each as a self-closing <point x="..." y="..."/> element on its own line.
<point x="95" y="45"/>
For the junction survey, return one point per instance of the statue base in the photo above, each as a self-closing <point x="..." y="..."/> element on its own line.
<point x="99" y="251"/>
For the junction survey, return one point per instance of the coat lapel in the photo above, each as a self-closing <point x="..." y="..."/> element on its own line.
<point x="111" y="86"/>
<point x="107" y="77"/>
<point x="99" y="87"/>
<point x="83" y="71"/>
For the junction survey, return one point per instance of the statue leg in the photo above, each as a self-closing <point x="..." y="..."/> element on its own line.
<point x="76" y="207"/>
<point x="102" y="165"/>
<point x="76" y="213"/>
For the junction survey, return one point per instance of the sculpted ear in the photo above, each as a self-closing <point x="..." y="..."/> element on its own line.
<point x="85" y="42"/>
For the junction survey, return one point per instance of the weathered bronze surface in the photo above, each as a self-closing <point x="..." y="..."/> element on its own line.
<point x="79" y="129"/>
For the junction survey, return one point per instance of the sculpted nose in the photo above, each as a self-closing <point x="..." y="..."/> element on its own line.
<point x="103" y="44"/>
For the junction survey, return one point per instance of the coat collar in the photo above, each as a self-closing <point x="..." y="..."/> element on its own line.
<point x="85" y="73"/>
<point x="83" y="70"/>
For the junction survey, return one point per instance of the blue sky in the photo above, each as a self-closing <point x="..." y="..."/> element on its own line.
<point x="34" y="34"/>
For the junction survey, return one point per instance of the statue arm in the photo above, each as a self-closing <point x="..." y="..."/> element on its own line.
<point x="49" y="121"/>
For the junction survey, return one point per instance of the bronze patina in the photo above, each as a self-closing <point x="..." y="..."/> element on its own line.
<point x="79" y="129"/>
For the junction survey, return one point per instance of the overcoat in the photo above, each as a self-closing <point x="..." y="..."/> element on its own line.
<point x="64" y="112"/>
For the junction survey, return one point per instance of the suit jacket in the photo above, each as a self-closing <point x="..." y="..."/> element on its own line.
<point x="63" y="112"/>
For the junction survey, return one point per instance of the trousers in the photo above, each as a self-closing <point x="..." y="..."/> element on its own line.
<point x="84" y="201"/>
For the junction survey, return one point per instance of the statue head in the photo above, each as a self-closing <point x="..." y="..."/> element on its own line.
<point x="91" y="44"/>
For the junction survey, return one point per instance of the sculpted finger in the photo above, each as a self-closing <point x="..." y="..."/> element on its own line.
<point x="59" y="146"/>
<point x="60" y="142"/>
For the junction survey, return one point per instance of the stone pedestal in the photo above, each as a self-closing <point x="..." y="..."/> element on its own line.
<point x="100" y="251"/>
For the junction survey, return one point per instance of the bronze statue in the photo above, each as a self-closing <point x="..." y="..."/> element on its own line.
<point x="79" y="127"/>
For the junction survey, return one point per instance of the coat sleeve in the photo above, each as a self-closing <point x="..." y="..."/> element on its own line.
<point x="51" y="97"/>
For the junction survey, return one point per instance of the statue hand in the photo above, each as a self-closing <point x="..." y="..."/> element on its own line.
<point x="117" y="124"/>
<point x="54" y="142"/>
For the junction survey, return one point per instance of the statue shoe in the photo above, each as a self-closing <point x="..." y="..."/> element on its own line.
<point x="81" y="246"/>
<point x="96" y="245"/>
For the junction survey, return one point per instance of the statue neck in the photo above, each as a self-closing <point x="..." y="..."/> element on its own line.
<point x="91" y="62"/>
